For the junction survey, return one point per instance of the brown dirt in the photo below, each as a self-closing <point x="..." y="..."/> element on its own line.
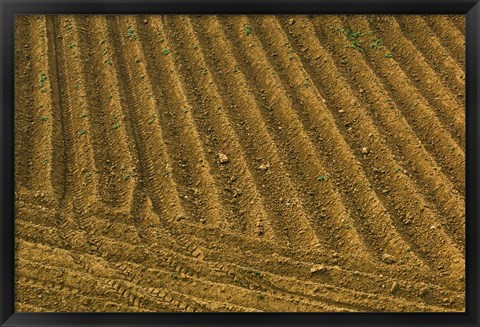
<point x="240" y="163"/>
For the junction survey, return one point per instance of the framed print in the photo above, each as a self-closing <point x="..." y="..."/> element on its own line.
<point x="239" y="163"/>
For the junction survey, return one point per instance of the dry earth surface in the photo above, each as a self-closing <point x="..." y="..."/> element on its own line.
<point x="240" y="163"/>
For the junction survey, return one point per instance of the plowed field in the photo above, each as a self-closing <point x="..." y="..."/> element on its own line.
<point x="240" y="163"/>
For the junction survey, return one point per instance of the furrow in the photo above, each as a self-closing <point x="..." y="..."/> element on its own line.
<point x="192" y="169"/>
<point x="256" y="222"/>
<point x="459" y="22"/>
<point x="369" y="215"/>
<point x="26" y="80"/>
<point x="418" y="113"/>
<point x="421" y="36"/>
<point x="154" y="160"/>
<point x="397" y="192"/>
<point x="337" y="219"/>
<point x="117" y="168"/>
<point x="449" y="109"/>
<point x="451" y="38"/>
<point x="220" y="135"/>
<point x="81" y="178"/>
<point x="40" y="178"/>
<point x="412" y="160"/>
<point x="61" y="143"/>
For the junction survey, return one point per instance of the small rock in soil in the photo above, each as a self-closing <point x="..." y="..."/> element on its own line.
<point x="365" y="150"/>
<point x="387" y="258"/>
<point x="320" y="268"/>
<point x="222" y="158"/>
<point x="291" y="21"/>
<point x="264" y="167"/>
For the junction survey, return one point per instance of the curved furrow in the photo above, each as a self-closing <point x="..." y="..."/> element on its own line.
<point x="416" y="111"/>
<point x="452" y="39"/>
<point x="402" y="141"/>
<point x="141" y="161"/>
<point x="116" y="166"/>
<point x="341" y="223"/>
<point x="221" y="136"/>
<point x="190" y="166"/>
<point x="171" y="85"/>
<point x="398" y="192"/>
<point x="41" y="154"/>
<point x="370" y="216"/>
<point x="154" y="160"/>
<point x="81" y="177"/>
<point x="245" y="112"/>
<point x="425" y="81"/>
<point x="26" y="80"/>
<point x="346" y="225"/>
<point x="257" y="223"/>
<point x="421" y="36"/>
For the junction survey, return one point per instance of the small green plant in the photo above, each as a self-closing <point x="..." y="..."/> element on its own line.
<point x="306" y="83"/>
<point x="44" y="118"/>
<point x="165" y="52"/>
<point x="83" y="116"/>
<point x="82" y="132"/>
<point x="43" y="78"/>
<point x="152" y="119"/>
<point x="127" y="176"/>
<point x="261" y="296"/>
<point x="142" y="77"/>
<point x="257" y="273"/>
<point x="248" y="30"/>
<point x="376" y="44"/>
<point x="105" y="51"/>
<point x="108" y="62"/>
<point x="116" y="126"/>
<point x="161" y="40"/>
<point x="131" y="33"/>
<point x="102" y="41"/>
<point x="71" y="45"/>
<point x="267" y="107"/>
<point x="398" y="169"/>
<point x="321" y="178"/>
<point x="354" y="38"/>
<point x="389" y="55"/>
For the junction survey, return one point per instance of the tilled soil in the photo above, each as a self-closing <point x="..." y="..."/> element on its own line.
<point x="240" y="163"/>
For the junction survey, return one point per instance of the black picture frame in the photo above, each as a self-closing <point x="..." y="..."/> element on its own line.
<point x="470" y="8"/>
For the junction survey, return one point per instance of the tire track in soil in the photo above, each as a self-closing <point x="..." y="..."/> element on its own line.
<point x="417" y="31"/>
<point x="449" y="110"/>
<point x="97" y="269"/>
<point x="194" y="171"/>
<point x="452" y="39"/>
<point x="402" y="198"/>
<point x="345" y="168"/>
<point x="421" y="167"/>
<point x="117" y="167"/>
<point x="284" y="120"/>
<point x="144" y="256"/>
<point x="81" y="178"/>
<point x="222" y="129"/>
<point x="416" y="111"/>
<point x="376" y="283"/>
